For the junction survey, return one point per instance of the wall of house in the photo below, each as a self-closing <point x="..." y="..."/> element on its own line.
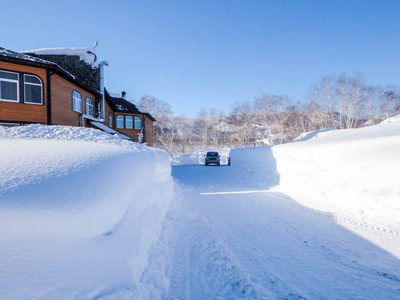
<point x="61" y="102"/>
<point x="132" y="133"/>
<point x="108" y="110"/>
<point x="149" y="132"/>
<point x="24" y="112"/>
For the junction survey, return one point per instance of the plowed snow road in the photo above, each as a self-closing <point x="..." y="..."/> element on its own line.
<point x="228" y="240"/>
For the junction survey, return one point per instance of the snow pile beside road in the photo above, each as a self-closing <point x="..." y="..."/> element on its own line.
<point x="352" y="172"/>
<point x="79" y="211"/>
<point x="313" y="134"/>
<point x="391" y="120"/>
<point x="254" y="166"/>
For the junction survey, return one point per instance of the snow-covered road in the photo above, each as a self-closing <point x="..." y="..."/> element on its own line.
<point x="261" y="244"/>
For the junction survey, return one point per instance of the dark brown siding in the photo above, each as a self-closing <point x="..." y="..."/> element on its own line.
<point x="108" y="110"/>
<point x="21" y="112"/>
<point x="149" y="132"/>
<point x="61" y="101"/>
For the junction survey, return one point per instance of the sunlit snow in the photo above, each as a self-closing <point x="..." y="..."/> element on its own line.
<point x="87" y="215"/>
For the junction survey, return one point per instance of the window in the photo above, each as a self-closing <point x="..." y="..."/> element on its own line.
<point x="129" y="122"/>
<point x="110" y="120"/>
<point x="138" y="123"/>
<point x="89" y="107"/>
<point x="120" y="121"/>
<point x="76" y="101"/>
<point x="33" y="91"/>
<point x="9" y="83"/>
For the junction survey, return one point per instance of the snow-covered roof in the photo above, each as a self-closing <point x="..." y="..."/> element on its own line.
<point x="22" y="56"/>
<point x="120" y="104"/>
<point x="122" y="108"/>
<point x="19" y="55"/>
<point x="85" y="54"/>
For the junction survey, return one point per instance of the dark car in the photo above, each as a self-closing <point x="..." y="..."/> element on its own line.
<point x="212" y="158"/>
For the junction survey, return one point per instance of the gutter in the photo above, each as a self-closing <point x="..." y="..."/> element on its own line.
<point x="103" y="106"/>
<point x="48" y="87"/>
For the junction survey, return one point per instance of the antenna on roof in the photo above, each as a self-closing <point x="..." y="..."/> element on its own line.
<point x="95" y="44"/>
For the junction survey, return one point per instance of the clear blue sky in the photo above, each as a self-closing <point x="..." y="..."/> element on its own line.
<point x="201" y="54"/>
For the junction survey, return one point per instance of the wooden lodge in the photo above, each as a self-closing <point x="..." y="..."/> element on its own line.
<point x="36" y="90"/>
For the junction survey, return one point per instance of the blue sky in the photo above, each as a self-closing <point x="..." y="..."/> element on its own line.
<point x="211" y="54"/>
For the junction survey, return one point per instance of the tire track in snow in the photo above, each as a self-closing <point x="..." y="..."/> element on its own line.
<point x="265" y="245"/>
<point x="203" y="265"/>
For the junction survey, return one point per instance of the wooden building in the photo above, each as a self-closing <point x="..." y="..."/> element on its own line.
<point x="35" y="90"/>
<point x="128" y="119"/>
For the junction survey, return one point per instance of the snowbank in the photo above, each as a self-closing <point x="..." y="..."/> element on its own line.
<point x="391" y="120"/>
<point x="79" y="211"/>
<point x="313" y="134"/>
<point x="352" y="172"/>
<point x="254" y="166"/>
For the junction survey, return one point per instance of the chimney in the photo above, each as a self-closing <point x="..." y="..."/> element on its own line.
<point x="123" y="94"/>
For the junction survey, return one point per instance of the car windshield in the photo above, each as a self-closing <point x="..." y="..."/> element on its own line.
<point x="212" y="154"/>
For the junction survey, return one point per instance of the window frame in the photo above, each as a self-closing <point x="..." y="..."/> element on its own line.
<point x="75" y="100"/>
<point x="131" y="125"/>
<point x="123" y="119"/>
<point x="123" y="122"/>
<point x="134" y="122"/>
<point x="89" y="105"/>
<point x="33" y="84"/>
<point x="14" y="81"/>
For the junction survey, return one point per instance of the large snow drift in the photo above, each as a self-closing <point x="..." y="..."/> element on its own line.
<point x="79" y="211"/>
<point x="352" y="172"/>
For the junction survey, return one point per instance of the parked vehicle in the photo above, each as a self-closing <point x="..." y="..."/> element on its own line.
<point x="212" y="158"/>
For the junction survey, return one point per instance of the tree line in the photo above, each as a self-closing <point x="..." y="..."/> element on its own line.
<point x="339" y="102"/>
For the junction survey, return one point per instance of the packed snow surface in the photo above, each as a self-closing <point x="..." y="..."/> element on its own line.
<point x="85" y="215"/>
<point x="79" y="211"/>
<point x="317" y="219"/>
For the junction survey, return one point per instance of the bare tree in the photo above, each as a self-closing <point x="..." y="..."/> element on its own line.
<point x="158" y="108"/>
<point x="201" y="128"/>
<point x="345" y="98"/>
<point x="353" y="97"/>
<point x="243" y="122"/>
<point x="163" y="130"/>
<point x="323" y="95"/>
<point x="389" y="103"/>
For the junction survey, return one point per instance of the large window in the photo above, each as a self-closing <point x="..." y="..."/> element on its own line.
<point x="33" y="89"/>
<point x="138" y="123"/>
<point x="76" y="101"/>
<point x="9" y="83"/>
<point x="120" y="121"/>
<point x="129" y="122"/>
<point x="89" y="107"/>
